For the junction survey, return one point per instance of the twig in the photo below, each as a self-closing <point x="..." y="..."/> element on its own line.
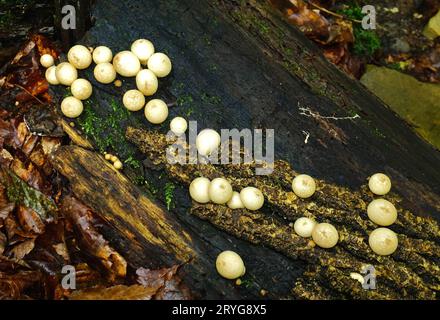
<point x="307" y="134"/>
<point x="27" y="91"/>
<point x="332" y="13"/>
<point x="309" y="113"/>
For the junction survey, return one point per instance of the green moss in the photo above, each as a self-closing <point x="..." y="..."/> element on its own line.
<point x="184" y="100"/>
<point x="169" y="194"/>
<point x="207" y="40"/>
<point x="366" y="42"/>
<point x="133" y="162"/>
<point x="279" y="42"/>
<point x="206" y="98"/>
<point x="108" y="133"/>
<point x="20" y="192"/>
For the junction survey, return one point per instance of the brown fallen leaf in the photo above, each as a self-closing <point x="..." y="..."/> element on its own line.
<point x="25" y="72"/>
<point x="167" y="283"/>
<point x="29" y="144"/>
<point x="29" y="220"/>
<point x="15" y="286"/>
<point x="90" y="239"/>
<point x="3" y="242"/>
<point x="30" y="174"/>
<point x="19" y="251"/>
<point x="119" y="292"/>
<point x="14" y="232"/>
<point x="6" y="207"/>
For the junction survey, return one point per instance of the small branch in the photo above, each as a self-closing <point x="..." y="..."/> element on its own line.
<point x="307" y="134"/>
<point x="331" y="12"/>
<point x="309" y="113"/>
<point x="27" y="91"/>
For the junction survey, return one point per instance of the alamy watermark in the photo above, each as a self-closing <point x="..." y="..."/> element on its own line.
<point x="69" y="280"/>
<point x="369" y="20"/>
<point x="369" y="273"/>
<point x="258" y="148"/>
<point x="69" y="18"/>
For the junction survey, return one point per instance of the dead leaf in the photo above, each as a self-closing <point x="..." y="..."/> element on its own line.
<point x="25" y="72"/>
<point x="119" y="292"/>
<point x="3" y="242"/>
<point x="16" y="285"/>
<point x="29" y="220"/>
<point x="19" y="251"/>
<point x="90" y="239"/>
<point x="165" y="281"/>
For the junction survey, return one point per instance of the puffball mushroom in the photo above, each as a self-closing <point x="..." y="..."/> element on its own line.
<point x="104" y="73"/>
<point x="304" y="227"/>
<point x="303" y="186"/>
<point x="72" y="107"/>
<point x="382" y="212"/>
<point x="178" y="126"/>
<point x="118" y="165"/>
<point x="102" y="54"/>
<point x="252" y="198"/>
<point x="156" y="111"/>
<point x="235" y="202"/>
<point x="47" y="60"/>
<point x="80" y="57"/>
<point x="207" y="141"/>
<point x="146" y="82"/>
<point x="230" y="265"/>
<point x="383" y="241"/>
<point x="199" y="189"/>
<point x="81" y="89"/>
<point x="379" y="184"/>
<point x="66" y="73"/>
<point x="325" y="235"/>
<point x="126" y="64"/>
<point x="160" y="64"/>
<point x="220" y="191"/>
<point x="143" y="49"/>
<point x="51" y="76"/>
<point x="133" y="100"/>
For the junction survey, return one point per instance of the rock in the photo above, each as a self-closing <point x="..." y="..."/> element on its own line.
<point x="401" y="45"/>
<point x="414" y="101"/>
<point x="432" y="29"/>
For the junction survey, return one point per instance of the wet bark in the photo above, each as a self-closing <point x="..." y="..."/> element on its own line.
<point x="238" y="64"/>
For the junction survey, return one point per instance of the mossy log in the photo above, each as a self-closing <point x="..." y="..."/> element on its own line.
<point x="411" y="272"/>
<point x="146" y="233"/>
<point x="142" y="231"/>
<point x="238" y="64"/>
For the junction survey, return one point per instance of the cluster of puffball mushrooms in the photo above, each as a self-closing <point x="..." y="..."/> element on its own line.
<point x="124" y="63"/>
<point x="229" y="264"/>
<point x="382" y="241"/>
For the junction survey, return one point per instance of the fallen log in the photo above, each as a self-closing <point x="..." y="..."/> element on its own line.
<point x="146" y="234"/>
<point x="237" y="64"/>
<point x="411" y="272"/>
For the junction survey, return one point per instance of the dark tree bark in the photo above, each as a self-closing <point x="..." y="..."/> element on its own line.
<point x="238" y="64"/>
<point x="83" y="20"/>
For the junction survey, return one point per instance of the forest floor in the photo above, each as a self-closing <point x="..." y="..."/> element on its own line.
<point x="397" y="43"/>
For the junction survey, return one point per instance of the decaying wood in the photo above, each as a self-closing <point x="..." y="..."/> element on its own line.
<point x="237" y="64"/>
<point x="76" y="138"/>
<point x="413" y="267"/>
<point x="147" y="235"/>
